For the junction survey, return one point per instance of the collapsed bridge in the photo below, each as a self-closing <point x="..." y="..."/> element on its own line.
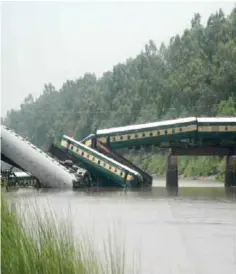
<point x="97" y="152"/>
<point x="187" y="136"/>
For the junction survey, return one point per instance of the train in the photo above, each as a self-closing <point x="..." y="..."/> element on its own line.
<point x="101" y="165"/>
<point x="185" y="132"/>
<point x="191" y="132"/>
<point x="19" y="152"/>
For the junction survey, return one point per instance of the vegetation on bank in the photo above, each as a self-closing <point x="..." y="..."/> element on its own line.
<point x="49" y="247"/>
<point x="187" y="166"/>
<point x="20" y="253"/>
<point x="194" y="75"/>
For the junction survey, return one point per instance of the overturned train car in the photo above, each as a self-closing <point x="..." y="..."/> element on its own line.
<point x="23" y="154"/>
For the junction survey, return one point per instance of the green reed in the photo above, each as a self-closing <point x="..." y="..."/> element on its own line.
<point x="49" y="247"/>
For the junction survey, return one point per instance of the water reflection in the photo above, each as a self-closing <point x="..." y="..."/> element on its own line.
<point x="192" y="192"/>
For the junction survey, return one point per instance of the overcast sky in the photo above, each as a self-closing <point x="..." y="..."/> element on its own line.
<point x="55" y="41"/>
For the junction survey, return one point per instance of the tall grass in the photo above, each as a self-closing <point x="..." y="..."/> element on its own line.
<point x="49" y="247"/>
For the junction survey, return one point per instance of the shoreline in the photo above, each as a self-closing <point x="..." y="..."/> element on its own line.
<point x="212" y="178"/>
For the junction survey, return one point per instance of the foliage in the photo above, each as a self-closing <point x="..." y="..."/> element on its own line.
<point x="43" y="245"/>
<point x="22" y="254"/>
<point x="195" y="74"/>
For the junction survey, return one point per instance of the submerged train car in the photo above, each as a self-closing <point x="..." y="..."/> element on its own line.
<point x="165" y="133"/>
<point x="100" y="164"/>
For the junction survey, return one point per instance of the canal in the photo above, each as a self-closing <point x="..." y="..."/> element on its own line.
<point x="192" y="231"/>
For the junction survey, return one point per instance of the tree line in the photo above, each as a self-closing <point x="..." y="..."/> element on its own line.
<point x="193" y="75"/>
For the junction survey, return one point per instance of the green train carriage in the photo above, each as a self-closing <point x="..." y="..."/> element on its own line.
<point x="220" y="131"/>
<point x="165" y="133"/>
<point x="189" y="132"/>
<point x="101" y="165"/>
<point x="89" y="141"/>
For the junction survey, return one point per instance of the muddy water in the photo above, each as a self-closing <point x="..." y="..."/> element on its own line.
<point x="192" y="231"/>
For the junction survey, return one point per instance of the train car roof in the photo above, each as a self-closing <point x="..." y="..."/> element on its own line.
<point x="216" y="119"/>
<point x="147" y="125"/>
<point x="100" y="154"/>
<point x="87" y="137"/>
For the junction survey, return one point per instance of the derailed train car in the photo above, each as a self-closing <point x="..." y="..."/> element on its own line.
<point x="30" y="158"/>
<point x="101" y="165"/>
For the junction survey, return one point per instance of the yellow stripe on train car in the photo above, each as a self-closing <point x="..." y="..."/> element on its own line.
<point x="93" y="159"/>
<point x="64" y="143"/>
<point x="204" y="128"/>
<point x="217" y="128"/>
<point x="88" y="143"/>
<point x="191" y="128"/>
<point x="154" y="133"/>
<point x="130" y="177"/>
<point x="231" y="128"/>
<point x="102" y="139"/>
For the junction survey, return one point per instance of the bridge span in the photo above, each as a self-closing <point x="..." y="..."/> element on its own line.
<point x="97" y="152"/>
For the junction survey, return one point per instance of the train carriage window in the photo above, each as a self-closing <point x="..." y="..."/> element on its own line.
<point x="143" y="134"/>
<point x="121" y="173"/>
<point x="173" y="130"/>
<point x="113" y="139"/>
<point x="88" y="156"/>
<point x="136" y="135"/>
<point x="115" y="170"/>
<point x="93" y="159"/>
<point x="226" y="128"/>
<point x="77" y="150"/>
<point x="110" y="167"/>
<point x="165" y="131"/>
<point x="82" y="153"/>
<point x="71" y="147"/>
<point x="128" y="137"/>
<point x="99" y="162"/>
<point x="181" y="129"/>
<point x="104" y="164"/>
<point x="121" y="137"/>
<point x="150" y="134"/>
<point x="158" y="133"/>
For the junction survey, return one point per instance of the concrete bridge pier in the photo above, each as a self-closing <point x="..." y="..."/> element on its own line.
<point x="172" y="172"/>
<point x="230" y="171"/>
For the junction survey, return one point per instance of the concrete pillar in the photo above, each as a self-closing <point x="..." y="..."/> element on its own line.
<point x="230" y="171"/>
<point x="172" y="172"/>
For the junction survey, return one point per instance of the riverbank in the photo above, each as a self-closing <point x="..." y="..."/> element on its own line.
<point x="210" y="178"/>
<point x="47" y="246"/>
<point x="199" y="217"/>
<point x="191" y="167"/>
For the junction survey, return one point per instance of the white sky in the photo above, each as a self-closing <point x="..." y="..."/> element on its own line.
<point x="54" y="41"/>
